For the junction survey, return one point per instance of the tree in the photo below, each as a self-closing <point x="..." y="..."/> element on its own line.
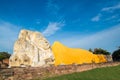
<point x="90" y="50"/>
<point x="101" y="51"/>
<point x="116" y="55"/>
<point x="4" y="55"/>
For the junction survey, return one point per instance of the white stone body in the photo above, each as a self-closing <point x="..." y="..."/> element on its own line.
<point x="31" y="49"/>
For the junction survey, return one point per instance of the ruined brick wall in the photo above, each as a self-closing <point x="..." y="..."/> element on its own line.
<point x="4" y="63"/>
<point x="39" y="72"/>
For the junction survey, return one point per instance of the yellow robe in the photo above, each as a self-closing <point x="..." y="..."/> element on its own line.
<point x="65" y="55"/>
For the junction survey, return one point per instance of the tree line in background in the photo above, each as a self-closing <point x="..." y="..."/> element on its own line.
<point x="4" y="55"/>
<point x="115" y="54"/>
<point x="99" y="51"/>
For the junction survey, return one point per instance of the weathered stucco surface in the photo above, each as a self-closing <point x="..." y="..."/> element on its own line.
<point x="31" y="49"/>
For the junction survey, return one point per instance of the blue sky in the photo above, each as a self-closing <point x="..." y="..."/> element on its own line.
<point x="75" y="23"/>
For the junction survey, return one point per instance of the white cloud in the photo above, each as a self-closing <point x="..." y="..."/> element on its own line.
<point x="106" y="39"/>
<point x="112" y="17"/>
<point x="96" y="18"/>
<point x="57" y="21"/>
<point x="52" y="7"/>
<point x="111" y="8"/>
<point x="8" y="34"/>
<point x="108" y="9"/>
<point x="52" y="28"/>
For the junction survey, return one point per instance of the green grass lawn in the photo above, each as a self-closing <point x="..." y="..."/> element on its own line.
<point x="108" y="73"/>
